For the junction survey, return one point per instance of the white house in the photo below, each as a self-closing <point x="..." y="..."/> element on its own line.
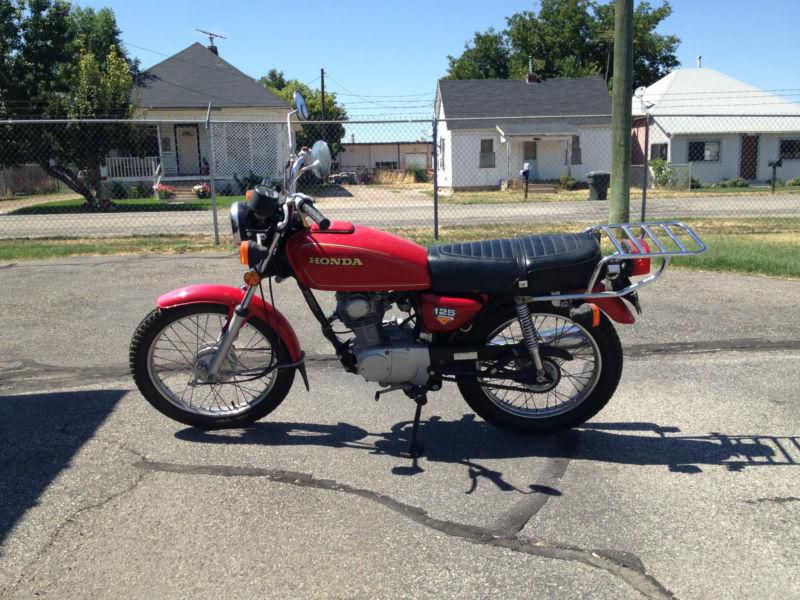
<point x="488" y="128"/>
<point x="720" y="127"/>
<point x="384" y="155"/>
<point x="249" y="132"/>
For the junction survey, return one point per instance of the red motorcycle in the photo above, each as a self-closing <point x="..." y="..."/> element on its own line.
<point x="522" y="326"/>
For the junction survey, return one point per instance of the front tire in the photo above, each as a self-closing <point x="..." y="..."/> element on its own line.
<point x="583" y="385"/>
<point x="170" y="343"/>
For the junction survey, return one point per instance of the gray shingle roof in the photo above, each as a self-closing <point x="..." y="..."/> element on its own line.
<point x="497" y="98"/>
<point x="196" y="76"/>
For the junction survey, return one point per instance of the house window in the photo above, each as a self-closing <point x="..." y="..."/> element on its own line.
<point x="528" y="151"/>
<point x="441" y="153"/>
<point x="166" y="144"/>
<point x="487" y="154"/>
<point x="790" y="149"/>
<point x="703" y="151"/>
<point x="390" y="165"/>
<point x="576" y="150"/>
<point x="658" y="151"/>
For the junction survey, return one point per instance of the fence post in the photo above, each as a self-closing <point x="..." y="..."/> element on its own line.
<point x="646" y="167"/>
<point x="211" y="169"/>
<point x="435" y="179"/>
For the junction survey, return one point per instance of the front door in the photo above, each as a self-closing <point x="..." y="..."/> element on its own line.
<point x="748" y="164"/>
<point x="187" y="144"/>
<point x="530" y="151"/>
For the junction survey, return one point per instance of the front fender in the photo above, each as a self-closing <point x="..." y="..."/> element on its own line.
<point x="230" y="297"/>
<point x="616" y="309"/>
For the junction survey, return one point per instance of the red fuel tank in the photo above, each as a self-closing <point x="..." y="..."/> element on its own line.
<point x="346" y="257"/>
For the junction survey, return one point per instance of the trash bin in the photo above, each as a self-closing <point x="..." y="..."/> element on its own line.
<point x="598" y="184"/>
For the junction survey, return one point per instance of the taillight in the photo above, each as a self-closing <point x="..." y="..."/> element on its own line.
<point x="638" y="266"/>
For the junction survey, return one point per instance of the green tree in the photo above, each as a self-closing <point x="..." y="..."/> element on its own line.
<point x="568" y="38"/>
<point x="60" y="62"/>
<point x="486" y="57"/>
<point x="332" y="133"/>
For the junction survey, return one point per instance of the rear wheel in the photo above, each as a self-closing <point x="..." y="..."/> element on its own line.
<point x="172" y="347"/>
<point x="583" y="367"/>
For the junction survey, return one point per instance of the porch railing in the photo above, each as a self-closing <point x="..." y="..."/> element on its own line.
<point x="131" y="167"/>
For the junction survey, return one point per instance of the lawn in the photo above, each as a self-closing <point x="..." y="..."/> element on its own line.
<point x="516" y="196"/>
<point x="148" y="204"/>
<point x="759" y="246"/>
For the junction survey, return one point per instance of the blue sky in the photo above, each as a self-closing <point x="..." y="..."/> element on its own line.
<point x="399" y="50"/>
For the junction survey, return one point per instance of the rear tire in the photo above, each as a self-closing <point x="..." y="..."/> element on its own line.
<point x="499" y="407"/>
<point x="172" y="323"/>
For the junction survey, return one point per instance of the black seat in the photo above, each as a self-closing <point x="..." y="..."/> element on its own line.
<point x="546" y="262"/>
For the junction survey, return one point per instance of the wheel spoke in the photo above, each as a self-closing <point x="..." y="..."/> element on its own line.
<point x="573" y="380"/>
<point x="187" y="342"/>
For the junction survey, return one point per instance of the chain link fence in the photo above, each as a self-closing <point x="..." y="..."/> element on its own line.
<point x="502" y="175"/>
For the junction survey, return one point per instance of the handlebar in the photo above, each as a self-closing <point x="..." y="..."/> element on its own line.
<point x="306" y="206"/>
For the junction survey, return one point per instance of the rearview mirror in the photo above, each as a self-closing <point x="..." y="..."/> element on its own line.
<point x="300" y="105"/>
<point x="321" y="159"/>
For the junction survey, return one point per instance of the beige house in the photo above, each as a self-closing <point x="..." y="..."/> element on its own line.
<point x="247" y="130"/>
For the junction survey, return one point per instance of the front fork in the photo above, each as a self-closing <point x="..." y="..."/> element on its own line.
<point x="228" y="336"/>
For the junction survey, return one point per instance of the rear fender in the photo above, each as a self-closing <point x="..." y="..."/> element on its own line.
<point x="616" y="309"/>
<point x="230" y="297"/>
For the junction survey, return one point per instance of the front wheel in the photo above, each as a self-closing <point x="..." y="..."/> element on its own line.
<point x="583" y="368"/>
<point x="172" y="346"/>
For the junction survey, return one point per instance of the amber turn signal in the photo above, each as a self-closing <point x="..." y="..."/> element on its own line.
<point x="252" y="278"/>
<point x="595" y="314"/>
<point x="244" y="253"/>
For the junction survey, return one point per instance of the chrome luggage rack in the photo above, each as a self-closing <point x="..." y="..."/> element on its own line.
<point x="677" y="239"/>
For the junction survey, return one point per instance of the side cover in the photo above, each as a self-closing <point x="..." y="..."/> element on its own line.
<point x="230" y="297"/>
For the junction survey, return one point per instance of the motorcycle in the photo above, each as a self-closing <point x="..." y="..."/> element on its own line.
<point x="522" y="326"/>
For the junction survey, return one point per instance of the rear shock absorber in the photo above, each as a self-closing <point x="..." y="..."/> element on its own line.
<point x="531" y="339"/>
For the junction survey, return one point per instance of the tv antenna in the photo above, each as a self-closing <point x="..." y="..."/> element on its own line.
<point x="211" y="35"/>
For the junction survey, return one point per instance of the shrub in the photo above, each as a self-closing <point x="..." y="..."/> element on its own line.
<point x="117" y="191"/>
<point x="778" y="182"/>
<point x="420" y="173"/>
<point x="662" y="172"/>
<point x="248" y="182"/>
<point x="734" y="183"/>
<point x="695" y="184"/>
<point x="565" y="182"/>
<point x="227" y="191"/>
<point x="794" y="181"/>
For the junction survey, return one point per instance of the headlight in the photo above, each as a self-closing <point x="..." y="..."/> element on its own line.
<point x="238" y="216"/>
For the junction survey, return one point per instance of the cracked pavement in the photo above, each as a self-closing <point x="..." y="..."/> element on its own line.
<point x="685" y="486"/>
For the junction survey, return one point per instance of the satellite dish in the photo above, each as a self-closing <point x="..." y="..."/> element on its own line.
<point x="300" y="105"/>
<point x="640" y="91"/>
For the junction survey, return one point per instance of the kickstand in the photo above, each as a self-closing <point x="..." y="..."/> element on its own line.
<point x="415" y="448"/>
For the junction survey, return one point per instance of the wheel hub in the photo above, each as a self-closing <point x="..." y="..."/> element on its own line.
<point x="202" y="365"/>
<point x="544" y="383"/>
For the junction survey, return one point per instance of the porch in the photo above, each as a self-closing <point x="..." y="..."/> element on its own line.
<point x="182" y="152"/>
<point x="548" y="154"/>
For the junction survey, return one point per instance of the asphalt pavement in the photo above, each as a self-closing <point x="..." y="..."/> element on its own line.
<point x="686" y="485"/>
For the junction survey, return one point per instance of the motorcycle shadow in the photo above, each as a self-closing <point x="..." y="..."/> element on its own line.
<point x="468" y="439"/>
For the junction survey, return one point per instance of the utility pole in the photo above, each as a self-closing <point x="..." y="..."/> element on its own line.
<point x="620" y="199"/>
<point x="322" y="80"/>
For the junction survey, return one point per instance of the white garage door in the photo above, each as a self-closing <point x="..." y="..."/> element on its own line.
<point x="419" y="160"/>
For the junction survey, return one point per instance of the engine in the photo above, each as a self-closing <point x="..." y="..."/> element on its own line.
<point x="385" y="352"/>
